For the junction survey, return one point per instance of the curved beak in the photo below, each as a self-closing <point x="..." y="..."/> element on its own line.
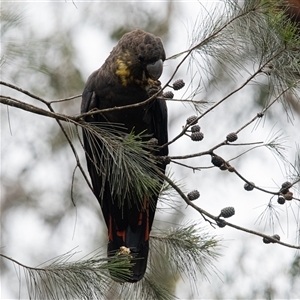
<point x="154" y="70"/>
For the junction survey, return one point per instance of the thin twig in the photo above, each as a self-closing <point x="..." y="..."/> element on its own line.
<point x="187" y="166"/>
<point x="37" y="110"/>
<point x="243" y="153"/>
<point x="185" y="100"/>
<point x="34" y="109"/>
<point x="256" y="187"/>
<point x="226" y="97"/>
<point x="65" y="99"/>
<point x="205" y="214"/>
<point x="14" y="87"/>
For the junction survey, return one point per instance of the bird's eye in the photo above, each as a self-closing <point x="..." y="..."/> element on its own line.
<point x="140" y="57"/>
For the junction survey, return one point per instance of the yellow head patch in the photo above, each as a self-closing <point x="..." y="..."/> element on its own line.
<point x="123" y="69"/>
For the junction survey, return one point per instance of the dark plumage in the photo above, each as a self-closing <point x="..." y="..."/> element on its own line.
<point x="128" y="76"/>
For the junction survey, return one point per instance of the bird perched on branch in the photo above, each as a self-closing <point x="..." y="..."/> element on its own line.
<point x="129" y="76"/>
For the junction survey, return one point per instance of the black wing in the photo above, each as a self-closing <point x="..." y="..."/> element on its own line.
<point x="130" y="224"/>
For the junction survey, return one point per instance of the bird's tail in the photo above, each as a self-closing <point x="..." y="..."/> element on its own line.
<point x="135" y="239"/>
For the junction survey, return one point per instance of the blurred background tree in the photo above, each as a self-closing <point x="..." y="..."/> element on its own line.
<point x="50" y="49"/>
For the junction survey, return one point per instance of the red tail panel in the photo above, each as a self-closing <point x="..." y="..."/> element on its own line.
<point x="135" y="237"/>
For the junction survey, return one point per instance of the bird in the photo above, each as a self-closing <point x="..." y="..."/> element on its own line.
<point x="129" y="76"/>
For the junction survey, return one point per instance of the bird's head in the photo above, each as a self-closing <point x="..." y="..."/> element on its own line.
<point x="138" y="58"/>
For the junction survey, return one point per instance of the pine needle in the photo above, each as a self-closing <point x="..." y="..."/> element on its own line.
<point x="126" y="158"/>
<point x="187" y="250"/>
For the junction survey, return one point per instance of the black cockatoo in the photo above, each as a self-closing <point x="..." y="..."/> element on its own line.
<point x="128" y="76"/>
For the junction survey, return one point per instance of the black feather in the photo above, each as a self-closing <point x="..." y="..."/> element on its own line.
<point x="123" y="80"/>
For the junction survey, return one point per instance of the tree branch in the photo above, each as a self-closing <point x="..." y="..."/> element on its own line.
<point x="205" y="214"/>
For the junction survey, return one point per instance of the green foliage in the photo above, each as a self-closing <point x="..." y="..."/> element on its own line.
<point x="151" y="287"/>
<point x="188" y="250"/>
<point x="126" y="159"/>
<point x="86" y="279"/>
